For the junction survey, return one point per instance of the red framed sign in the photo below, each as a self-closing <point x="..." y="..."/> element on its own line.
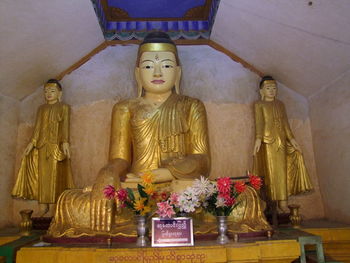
<point x="167" y="232"/>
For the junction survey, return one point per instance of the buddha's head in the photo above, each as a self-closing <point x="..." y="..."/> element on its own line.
<point x="157" y="68"/>
<point x="53" y="91"/>
<point x="268" y="88"/>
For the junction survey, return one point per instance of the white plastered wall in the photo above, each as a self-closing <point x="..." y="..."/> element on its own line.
<point x="40" y="39"/>
<point x="329" y="113"/>
<point x="9" y="116"/>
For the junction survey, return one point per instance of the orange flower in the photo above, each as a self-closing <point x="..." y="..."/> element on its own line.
<point x="145" y="210"/>
<point x="149" y="190"/>
<point x="147" y="178"/>
<point x="139" y="204"/>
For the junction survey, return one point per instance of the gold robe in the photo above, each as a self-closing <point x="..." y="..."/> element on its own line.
<point x="45" y="172"/>
<point x="277" y="161"/>
<point x="147" y="138"/>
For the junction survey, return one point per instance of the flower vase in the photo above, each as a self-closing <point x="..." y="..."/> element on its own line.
<point x="26" y="223"/>
<point x="222" y="230"/>
<point x="142" y="231"/>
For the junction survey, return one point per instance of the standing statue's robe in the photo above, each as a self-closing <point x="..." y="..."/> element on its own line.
<point x="45" y="172"/>
<point x="277" y="161"/>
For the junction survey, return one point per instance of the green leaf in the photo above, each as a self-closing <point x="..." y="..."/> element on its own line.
<point x="141" y="192"/>
<point x="130" y="194"/>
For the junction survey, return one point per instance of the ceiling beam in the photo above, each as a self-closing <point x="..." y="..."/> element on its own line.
<point x="181" y="42"/>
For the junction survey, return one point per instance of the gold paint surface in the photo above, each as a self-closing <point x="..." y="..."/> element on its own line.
<point x="281" y="165"/>
<point x="45" y="172"/>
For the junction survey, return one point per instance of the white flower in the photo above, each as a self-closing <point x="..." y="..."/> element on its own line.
<point x="204" y="187"/>
<point x="220" y="202"/>
<point x="189" y="200"/>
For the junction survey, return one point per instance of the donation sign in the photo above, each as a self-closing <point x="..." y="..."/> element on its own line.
<point x="168" y="232"/>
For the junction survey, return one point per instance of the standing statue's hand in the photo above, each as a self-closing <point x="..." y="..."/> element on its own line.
<point x="65" y="148"/>
<point x="257" y="146"/>
<point x="28" y="149"/>
<point x="295" y="145"/>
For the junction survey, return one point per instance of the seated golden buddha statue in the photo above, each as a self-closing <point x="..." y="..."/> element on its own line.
<point x="159" y="131"/>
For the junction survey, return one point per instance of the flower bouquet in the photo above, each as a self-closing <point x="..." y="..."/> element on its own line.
<point x="142" y="202"/>
<point x="188" y="201"/>
<point x="223" y="200"/>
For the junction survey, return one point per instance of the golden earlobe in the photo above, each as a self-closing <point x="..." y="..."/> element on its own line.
<point x="138" y="81"/>
<point x="261" y="94"/>
<point x="178" y="79"/>
<point x="60" y="96"/>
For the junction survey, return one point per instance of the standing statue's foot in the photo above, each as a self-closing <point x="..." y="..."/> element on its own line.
<point x="283" y="207"/>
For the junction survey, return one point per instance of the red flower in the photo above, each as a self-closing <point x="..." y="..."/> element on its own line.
<point x="255" y="181"/>
<point x="109" y="192"/>
<point x="240" y="187"/>
<point x="224" y="185"/>
<point x="164" y="196"/>
<point x="230" y="201"/>
<point x="122" y="194"/>
<point x="155" y="196"/>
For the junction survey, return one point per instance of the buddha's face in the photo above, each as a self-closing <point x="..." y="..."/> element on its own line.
<point x="269" y="90"/>
<point x="157" y="71"/>
<point x="52" y="93"/>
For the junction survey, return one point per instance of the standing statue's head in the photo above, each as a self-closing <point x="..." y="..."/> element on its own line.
<point x="268" y="88"/>
<point x="53" y="91"/>
<point x="157" y="68"/>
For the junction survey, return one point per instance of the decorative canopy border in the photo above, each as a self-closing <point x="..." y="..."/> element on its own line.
<point x="197" y="23"/>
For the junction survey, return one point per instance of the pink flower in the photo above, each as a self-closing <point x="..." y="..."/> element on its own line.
<point x="109" y="192"/>
<point x="165" y="210"/>
<point x="174" y="199"/>
<point x="240" y="187"/>
<point x="224" y="185"/>
<point x="255" y="181"/>
<point x="122" y="194"/>
<point x="230" y="201"/>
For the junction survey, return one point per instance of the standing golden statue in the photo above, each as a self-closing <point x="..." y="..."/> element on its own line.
<point x="159" y="131"/>
<point x="278" y="156"/>
<point x="45" y="170"/>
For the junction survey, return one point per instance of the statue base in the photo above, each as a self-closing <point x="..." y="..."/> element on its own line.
<point x="108" y="240"/>
<point x="282" y="247"/>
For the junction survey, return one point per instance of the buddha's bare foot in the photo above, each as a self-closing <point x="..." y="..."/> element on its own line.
<point x="133" y="180"/>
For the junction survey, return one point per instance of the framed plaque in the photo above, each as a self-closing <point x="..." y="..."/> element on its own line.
<point x="168" y="232"/>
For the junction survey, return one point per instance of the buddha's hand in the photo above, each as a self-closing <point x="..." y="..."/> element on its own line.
<point x="65" y="149"/>
<point x="102" y="209"/>
<point x="257" y="146"/>
<point x="295" y="145"/>
<point x="29" y="148"/>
